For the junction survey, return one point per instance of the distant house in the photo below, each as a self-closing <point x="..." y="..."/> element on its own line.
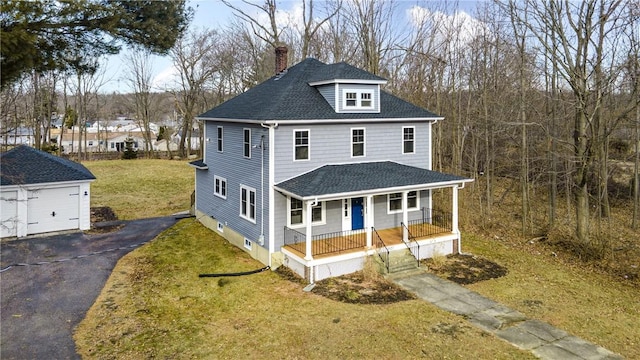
<point x="18" y="136"/>
<point x="319" y="169"/>
<point x="101" y="142"/>
<point x="42" y="193"/>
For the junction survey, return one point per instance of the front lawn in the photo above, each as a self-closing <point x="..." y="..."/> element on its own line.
<point x="154" y="305"/>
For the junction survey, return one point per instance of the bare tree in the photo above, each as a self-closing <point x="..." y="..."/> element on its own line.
<point x="140" y="78"/>
<point x="194" y="57"/>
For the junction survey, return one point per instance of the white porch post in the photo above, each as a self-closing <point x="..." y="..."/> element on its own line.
<point x="405" y="216"/>
<point x="369" y="222"/>
<point x="454" y="211"/>
<point x="308" y="233"/>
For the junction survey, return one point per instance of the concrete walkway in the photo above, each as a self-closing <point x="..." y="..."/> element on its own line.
<point x="542" y="339"/>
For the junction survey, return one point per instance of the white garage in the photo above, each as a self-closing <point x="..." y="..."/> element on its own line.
<point x="42" y="193"/>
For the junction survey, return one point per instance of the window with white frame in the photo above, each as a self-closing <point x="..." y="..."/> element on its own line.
<point x="220" y="186"/>
<point x="248" y="203"/>
<point x="351" y="99"/>
<point x="408" y="140"/>
<point x="358" y="99"/>
<point x="295" y="213"/>
<point x="395" y="202"/>
<point x="220" y="138"/>
<point x="365" y="100"/>
<point x="247" y="143"/>
<point x="247" y="244"/>
<point x="301" y="144"/>
<point x="298" y="213"/>
<point x="357" y="142"/>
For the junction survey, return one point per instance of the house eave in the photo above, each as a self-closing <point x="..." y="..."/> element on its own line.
<point x="324" y="121"/>
<point x="347" y="81"/>
<point x="374" y="192"/>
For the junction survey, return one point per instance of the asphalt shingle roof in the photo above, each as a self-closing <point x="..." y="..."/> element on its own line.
<point x="289" y="96"/>
<point x="353" y="178"/>
<point x="25" y="165"/>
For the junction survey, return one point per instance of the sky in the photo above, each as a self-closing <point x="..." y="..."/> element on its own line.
<point x="207" y="14"/>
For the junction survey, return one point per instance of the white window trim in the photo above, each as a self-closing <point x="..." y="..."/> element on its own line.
<point x="358" y="93"/>
<point x="243" y="143"/>
<point x="414" y="139"/>
<point x="247" y="244"/>
<point x="220" y="227"/>
<point x="416" y="208"/>
<point x="323" y="221"/>
<point x="220" y="138"/>
<point x="308" y="145"/>
<point x="364" y="142"/>
<point x="215" y="192"/>
<point x="249" y="190"/>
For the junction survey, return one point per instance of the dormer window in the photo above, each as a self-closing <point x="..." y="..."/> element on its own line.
<point x="359" y="99"/>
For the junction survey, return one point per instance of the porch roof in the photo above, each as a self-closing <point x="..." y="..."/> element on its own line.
<point x="373" y="178"/>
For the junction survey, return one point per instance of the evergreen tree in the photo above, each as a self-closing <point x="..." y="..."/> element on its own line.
<point x="60" y="35"/>
<point x="129" y="152"/>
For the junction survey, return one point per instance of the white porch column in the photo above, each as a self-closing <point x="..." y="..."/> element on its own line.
<point x="369" y="221"/>
<point x="454" y="210"/>
<point x="405" y="215"/>
<point x="308" y="232"/>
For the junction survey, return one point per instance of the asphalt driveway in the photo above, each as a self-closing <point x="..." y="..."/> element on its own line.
<point x="42" y="304"/>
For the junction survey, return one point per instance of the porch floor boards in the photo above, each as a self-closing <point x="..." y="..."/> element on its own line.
<point x="391" y="236"/>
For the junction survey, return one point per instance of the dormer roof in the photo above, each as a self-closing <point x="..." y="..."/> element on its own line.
<point x="344" y="73"/>
<point x="289" y="97"/>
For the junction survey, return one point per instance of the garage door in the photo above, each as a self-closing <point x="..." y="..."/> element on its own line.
<point x="9" y="213"/>
<point x="53" y="209"/>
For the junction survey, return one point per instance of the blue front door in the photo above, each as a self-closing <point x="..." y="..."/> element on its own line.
<point x="357" y="214"/>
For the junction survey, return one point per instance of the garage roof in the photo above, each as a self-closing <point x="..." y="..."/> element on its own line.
<point x="25" y="165"/>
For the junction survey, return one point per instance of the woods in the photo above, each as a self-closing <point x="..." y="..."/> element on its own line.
<point x="543" y="96"/>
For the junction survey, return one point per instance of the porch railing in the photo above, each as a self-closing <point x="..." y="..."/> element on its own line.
<point x="412" y="244"/>
<point x="294" y="239"/>
<point x="433" y="222"/>
<point x="381" y="248"/>
<point x="328" y="243"/>
<point x="339" y="241"/>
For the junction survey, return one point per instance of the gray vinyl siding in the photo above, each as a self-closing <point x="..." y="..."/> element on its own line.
<point x="329" y="94"/>
<point x="331" y="144"/>
<point x="236" y="169"/>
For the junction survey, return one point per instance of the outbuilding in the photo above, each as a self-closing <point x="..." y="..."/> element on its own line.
<point x="42" y="193"/>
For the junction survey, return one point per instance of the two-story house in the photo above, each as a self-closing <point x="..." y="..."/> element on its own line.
<point x="318" y="169"/>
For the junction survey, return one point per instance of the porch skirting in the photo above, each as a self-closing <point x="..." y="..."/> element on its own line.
<point x="347" y="263"/>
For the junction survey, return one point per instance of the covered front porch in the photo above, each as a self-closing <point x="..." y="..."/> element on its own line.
<point x="334" y="223"/>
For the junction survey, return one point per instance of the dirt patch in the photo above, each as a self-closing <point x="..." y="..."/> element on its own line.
<point x="100" y="215"/>
<point x="362" y="287"/>
<point x="369" y="287"/>
<point x="465" y="269"/>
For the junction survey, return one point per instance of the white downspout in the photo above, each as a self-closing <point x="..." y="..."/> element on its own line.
<point x="271" y="175"/>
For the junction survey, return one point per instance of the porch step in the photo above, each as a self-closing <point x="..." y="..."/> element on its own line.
<point x="401" y="260"/>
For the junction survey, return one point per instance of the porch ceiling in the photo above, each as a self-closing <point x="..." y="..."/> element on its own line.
<point x="373" y="178"/>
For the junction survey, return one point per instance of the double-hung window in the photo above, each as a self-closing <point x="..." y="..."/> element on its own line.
<point x="248" y="203"/>
<point x="358" y="99"/>
<point x="395" y="202"/>
<point x="220" y="138"/>
<point x="408" y="139"/>
<point x="357" y="142"/>
<point x="301" y="145"/>
<point x="220" y="186"/>
<point x="247" y="143"/>
<point x="297" y="213"/>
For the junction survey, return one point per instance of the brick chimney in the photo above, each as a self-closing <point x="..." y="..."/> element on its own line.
<point x="281" y="59"/>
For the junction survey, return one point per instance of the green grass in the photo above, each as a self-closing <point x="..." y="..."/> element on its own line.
<point x="575" y="298"/>
<point x="154" y="305"/>
<point x="141" y="188"/>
